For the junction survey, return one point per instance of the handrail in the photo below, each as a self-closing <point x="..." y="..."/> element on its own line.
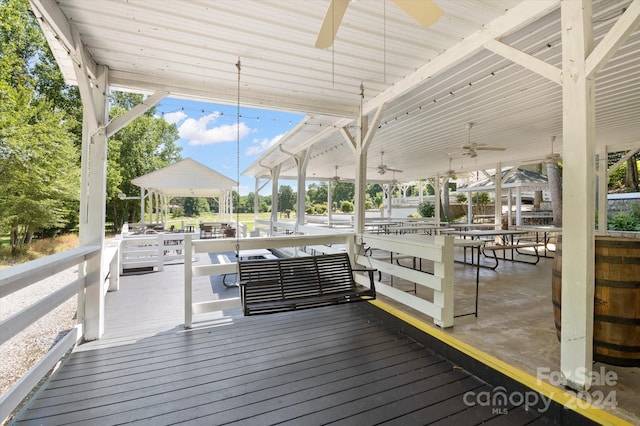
<point x="439" y="250"/>
<point x="23" y="275"/>
<point x="27" y="274"/>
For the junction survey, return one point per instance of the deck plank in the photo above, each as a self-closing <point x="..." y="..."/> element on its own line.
<point x="335" y="364"/>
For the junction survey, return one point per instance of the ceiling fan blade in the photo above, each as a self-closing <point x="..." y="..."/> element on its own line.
<point x="490" y="148"/>
<point x="393" y="169"/>
<point x="424" y="12"/>
<point x="331" y="23"/>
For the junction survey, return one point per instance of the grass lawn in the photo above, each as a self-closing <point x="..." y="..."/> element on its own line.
<point x="48" y="246"/>
<point x="245" y="218"/>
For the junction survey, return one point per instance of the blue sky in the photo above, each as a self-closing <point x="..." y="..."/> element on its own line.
<point x="208" y="134"/>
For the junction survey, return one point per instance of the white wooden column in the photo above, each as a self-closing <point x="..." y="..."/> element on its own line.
<point x="302" y="160"/>
<point x="256" y="199"/>
<point x="275" y="175"/>
<point x="519" y="206"/>
<point x="436" y="191"/>
<point x="329" y="201"/>
<point x="497" y="202"/>
<point x="603" y="190"/>
<point x="576" y="350"/>
<point x="360" y="146"/>
<point x="92" y="204"/>
<point x="361" y="175"/>
<point x="510" y="207"/>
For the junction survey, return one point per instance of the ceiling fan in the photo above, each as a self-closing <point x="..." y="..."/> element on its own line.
<point x="470" y="149"/>
<point x="425" y="12"/>
<point x="450" y="173"/>
<point x="383" y="168"/>
<point x="552" y="157"/>
<point x="336" y="178"/>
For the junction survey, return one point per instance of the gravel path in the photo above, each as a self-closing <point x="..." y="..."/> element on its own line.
<point x="21" y="352"/>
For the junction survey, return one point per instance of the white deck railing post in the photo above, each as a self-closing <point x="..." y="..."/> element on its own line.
<point x="188" y="283"/>
<point x="445" y="269"/>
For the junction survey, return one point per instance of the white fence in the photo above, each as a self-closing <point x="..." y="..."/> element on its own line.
<point x="152" y="250"/>
<point x="437" y="249"/>
<point x="22" y="276"/>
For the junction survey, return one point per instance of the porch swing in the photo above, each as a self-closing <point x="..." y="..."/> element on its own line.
<point x="285" y="284"/>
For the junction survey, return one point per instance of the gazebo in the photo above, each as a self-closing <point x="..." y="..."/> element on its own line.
<point x="186" y="178"/>
<point x="512" y="179"/>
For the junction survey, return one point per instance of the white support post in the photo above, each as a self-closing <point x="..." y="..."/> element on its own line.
<point x="329" y="202"/>
<point x="510" y="208"/>
<point x="256" y="199"/>
<point x="603" y="190"/>
<point x="470" y="208"/>
<point x="188" y="281"/>
<point x="497" y="210"/>
<point x="302" y="159"/>
<point x="275" y="175"/>
<point x="92" y="205"/>
<point x="519" y="206"/>
<point x="436" y="191"/>
<point x="142" y="197"/>
<point x="576" y="349"/>
<point x="445" y="269"/>
<point x="361" y="176"/>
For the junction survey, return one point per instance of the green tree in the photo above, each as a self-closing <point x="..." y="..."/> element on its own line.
<point x="318" y="193"/>
<point x="286" y="199"/>
<point x="195" y="206"/>
<point x="38" y="158"/>
<point x="343" y="191"/>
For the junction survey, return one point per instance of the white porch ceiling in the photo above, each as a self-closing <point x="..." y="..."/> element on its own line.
<point x="433" y="80"/>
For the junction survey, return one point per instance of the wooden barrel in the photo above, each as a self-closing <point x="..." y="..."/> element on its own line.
<point x="616" y="327"/>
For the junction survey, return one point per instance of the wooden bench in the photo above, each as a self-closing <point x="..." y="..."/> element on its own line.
<point x="275" y="285"/>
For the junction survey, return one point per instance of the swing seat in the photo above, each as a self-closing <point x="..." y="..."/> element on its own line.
<point x="276" y="285"/>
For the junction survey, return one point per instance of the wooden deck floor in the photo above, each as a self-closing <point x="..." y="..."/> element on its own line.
<point x="339" y="364"/>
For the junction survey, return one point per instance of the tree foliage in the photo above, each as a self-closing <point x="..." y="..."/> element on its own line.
<point x="39" y="177"/>
<point x="286" y="199"/>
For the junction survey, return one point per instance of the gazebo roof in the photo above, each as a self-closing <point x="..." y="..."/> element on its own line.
<point x="518" y="179"/>
<point x="186" y="178"/>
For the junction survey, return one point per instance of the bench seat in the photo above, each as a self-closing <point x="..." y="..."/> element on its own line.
<point x="275" y="285"/>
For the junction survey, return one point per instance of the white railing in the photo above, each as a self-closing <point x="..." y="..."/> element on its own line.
<point x="152" y="250"/>
<point x="24" y="275"/>
<point x="438" y="249"/>
<point x="229" y="245"/>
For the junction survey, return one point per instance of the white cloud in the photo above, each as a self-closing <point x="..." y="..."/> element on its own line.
<point x="197" y="133"/>
<point x="261" y="145"/>
<point x="174" y="117"/>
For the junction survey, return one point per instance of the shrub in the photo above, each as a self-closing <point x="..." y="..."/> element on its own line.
<point x="346" y="207"/>
<point x="320" y="208"/>
<point x="426" y="209"/>
<point x="481" y="198"/>
<point x="461" y="198"/>
<point x="624" y="222"/>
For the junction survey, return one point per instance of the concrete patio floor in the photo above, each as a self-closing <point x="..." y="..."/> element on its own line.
<point x="515" y="324"/>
